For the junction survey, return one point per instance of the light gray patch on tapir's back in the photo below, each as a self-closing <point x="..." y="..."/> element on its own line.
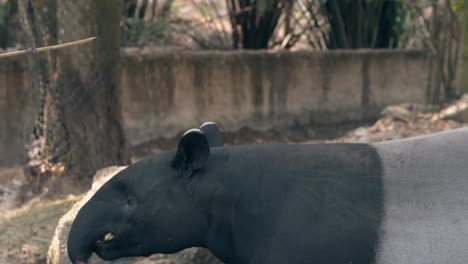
<point x="425" y="199"/>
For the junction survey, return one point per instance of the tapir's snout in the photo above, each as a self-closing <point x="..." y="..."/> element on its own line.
<point x="82" y="243"/>
<point x="81" y="261"/>
<point x="78" y="253"/>
<point x="80" y="240"/>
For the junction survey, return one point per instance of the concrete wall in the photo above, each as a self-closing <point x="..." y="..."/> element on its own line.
<point x="164" y="93"/>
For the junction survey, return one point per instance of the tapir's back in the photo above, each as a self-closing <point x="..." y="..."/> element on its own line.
<point x="303" y="203"/>
<point x="403" y="201"/>
<point x="425" y="199"/>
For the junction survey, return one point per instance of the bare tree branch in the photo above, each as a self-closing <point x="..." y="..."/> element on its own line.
<point x="47" y="48"/>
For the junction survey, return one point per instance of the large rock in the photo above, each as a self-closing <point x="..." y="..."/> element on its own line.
<point x="57" y="253"/>
<point x="457" y="111"/>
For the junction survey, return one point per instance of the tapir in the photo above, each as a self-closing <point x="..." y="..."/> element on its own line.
<point x="398" y="201"/>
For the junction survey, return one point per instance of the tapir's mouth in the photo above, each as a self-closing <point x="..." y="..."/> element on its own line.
<point x="81" y="261"/>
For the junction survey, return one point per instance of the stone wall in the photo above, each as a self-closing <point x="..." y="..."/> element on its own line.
<point x="166" y="92"/>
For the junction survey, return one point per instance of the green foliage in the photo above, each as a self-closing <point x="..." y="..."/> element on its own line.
<point x="457" y="5"/>
<point x="364" y="23"/>
<point x="138" y="32"/>
<point x="253" y="23"/>
<point x="202" y="8"/>
<point x="147" y="23"/>
<point x="264" y="6"/>
<point x="3" y="14"/>
<point x="3" y="25"/>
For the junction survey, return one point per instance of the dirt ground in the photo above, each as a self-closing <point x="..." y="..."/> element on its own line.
<point x="26" y="230"/>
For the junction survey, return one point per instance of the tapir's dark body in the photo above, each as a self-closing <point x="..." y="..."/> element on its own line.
<point x="272" y="204"/>
<point x="401" y="201"/>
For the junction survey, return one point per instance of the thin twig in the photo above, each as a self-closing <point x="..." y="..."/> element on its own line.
<point x="47" y="48"/>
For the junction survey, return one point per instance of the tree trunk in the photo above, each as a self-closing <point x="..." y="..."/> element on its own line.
<point x="78" y="128"/>
<point x="88" y="81"/>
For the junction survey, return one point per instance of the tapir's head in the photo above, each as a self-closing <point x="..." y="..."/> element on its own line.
<point x="146" y="208"/>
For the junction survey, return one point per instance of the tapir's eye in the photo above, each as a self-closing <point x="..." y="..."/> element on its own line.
<point x="130" y="202"/>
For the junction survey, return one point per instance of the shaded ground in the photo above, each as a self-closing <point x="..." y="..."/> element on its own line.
<point x="248" y="136"/>
<point x="25" y="232"/>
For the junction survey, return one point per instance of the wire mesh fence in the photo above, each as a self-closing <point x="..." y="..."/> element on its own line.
<point x="76" y="127"/>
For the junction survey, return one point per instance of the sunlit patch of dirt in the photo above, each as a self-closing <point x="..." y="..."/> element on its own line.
<point x="11" y="179"/>
<point x="400" y="121"/>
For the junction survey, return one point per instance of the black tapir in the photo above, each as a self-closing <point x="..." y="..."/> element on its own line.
<point x="400" y="201"/>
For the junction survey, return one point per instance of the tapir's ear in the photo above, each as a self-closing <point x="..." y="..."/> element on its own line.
<point x="192" y="152"/>
<point x="213" y="134"/>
